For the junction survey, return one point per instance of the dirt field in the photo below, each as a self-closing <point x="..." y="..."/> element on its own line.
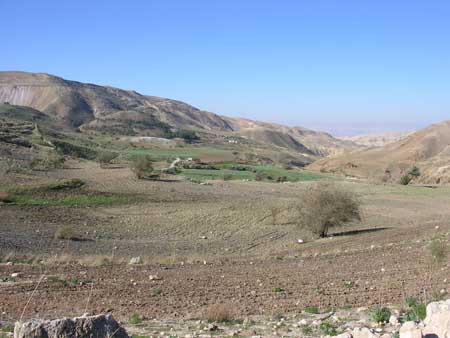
<point x="209" y="244"/>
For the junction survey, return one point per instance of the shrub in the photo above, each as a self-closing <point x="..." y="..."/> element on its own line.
<point x="281" y="179"/>
<point x="416" y="311"/>
<point x="381" y="315"/>
<point x="227" y="177"/>
<point x="414" y="171"/>
<point x="325" y="206"/>
<point x="135" y="319"/>
<point x="438" y="251"/>
<point x="405" y="180"/>
<point x="66" y="233"/>
<point x="106" y="157"/>
<point x="142" y="167"/>
<point x="74" y="183"/>
<point x="328" y="329"/>
<point x="219" y="313"/>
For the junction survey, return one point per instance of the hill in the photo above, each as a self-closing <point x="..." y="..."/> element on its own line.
<point x="92" y="108"/>
<point x="428" y="149"/>
<point x="376" y="140"/>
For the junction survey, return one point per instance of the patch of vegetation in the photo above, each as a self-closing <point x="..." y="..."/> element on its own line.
<point x="279" y="290"/>
<point x="307" y="330"/>
<point x="405" y="180"/>
<point x="66" y="233"/>
<point x="312" y="310"/>
<point x="156" y="291"/>
<point x="106" y="157"/>
<point x="142" y="167"/>
<point x="7" y="328"/>
<point x="325" y="206"/>
<point x="349" y="284"/>
<point x="438" y="251"/>
<point x="74" y="183"/>
<point x="135" y="319"/>
<point x="74" y="150"/>
<point x="416" y="311"/>
<point x="328" y="329"/>
<point x="414" y="172"/>
<point x="380" y="315"/>
<point x="219" y="313"/>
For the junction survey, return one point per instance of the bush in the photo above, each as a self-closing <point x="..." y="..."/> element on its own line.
<point x="405" y="180"/>
<point x="142" y="167"/>
<point x="106" y="157"/>
<point x="135" y="319"/>
<point x="381" y="315"/>
<point x="438" y="251"/>
<point x="416" y="311"/>
<point x="414" y="171"/>
<point x="325" y="206"/>
<point x="74" y="183"/>
<point x="66" y="233"/>
<point x="219" y="313"/>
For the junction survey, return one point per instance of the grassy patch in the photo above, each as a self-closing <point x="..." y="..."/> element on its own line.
<point x="233" y="171"/>
<point x="194" y="152"/>
<point x="135" y="319"/>
<point x="312" y="310"/>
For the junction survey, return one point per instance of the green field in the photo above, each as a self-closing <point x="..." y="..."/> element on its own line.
<point x="268" y="173"/>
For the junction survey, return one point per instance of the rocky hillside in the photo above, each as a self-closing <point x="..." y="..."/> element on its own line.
<point x="427" y="149"/>
<point x="90" y="107"/>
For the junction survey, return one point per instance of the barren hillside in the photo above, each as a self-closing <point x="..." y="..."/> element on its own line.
<point x="428" y="149"/>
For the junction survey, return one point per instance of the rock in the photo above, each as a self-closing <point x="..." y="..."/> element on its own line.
<point x="154" y="277"/>
<point x="393" y="320"/>
<point x="102" y="326"/>
<point x="437" y="322"/>
<point x="363" y="333"/>
<point x="410" y="330"/>
<point x="15" y="275"/>
<point x="386" y="335"/>
<point x="300" y="241"/>
<point x="135" y="260"/>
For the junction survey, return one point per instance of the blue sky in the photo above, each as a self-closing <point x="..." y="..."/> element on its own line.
<point x="342" y="66"/>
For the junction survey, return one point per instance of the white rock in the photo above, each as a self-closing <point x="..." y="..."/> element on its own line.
<point x="410" y="330"/>
<point x="135" y="260"/>
<point x="154" y="277"/>
<point x="393" y="320"/>
<point x="300" y="241"/>
<point x="437" y="321"/>
<point x="15" y="275"/>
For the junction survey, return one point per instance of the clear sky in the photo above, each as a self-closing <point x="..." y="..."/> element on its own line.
<point x="344" y="66"/>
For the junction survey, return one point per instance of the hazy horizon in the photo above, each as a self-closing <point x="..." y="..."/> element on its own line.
<point x="344" y="67"/>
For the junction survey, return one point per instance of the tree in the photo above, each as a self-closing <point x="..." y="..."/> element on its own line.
<point x="325" y="206"/>
<point x="142" y="167"/>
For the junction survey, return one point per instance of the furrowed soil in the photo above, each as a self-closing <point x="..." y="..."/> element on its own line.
<point x="230" y="242"/>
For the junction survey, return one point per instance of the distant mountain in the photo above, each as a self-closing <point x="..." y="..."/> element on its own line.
<point x="89" y="107"/>
<point x="376" y="140"/>
<point x="428" y="149"/>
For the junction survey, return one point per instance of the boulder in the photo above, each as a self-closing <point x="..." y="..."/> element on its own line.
<point x="437" y="321"/>
<point x="101" y="326"/>
<point x="410" y="330"/>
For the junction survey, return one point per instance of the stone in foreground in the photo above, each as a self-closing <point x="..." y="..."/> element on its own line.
<point x="101" y="326"/>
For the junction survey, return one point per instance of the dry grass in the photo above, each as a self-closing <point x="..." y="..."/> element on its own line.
<point x="219" y="313"/>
